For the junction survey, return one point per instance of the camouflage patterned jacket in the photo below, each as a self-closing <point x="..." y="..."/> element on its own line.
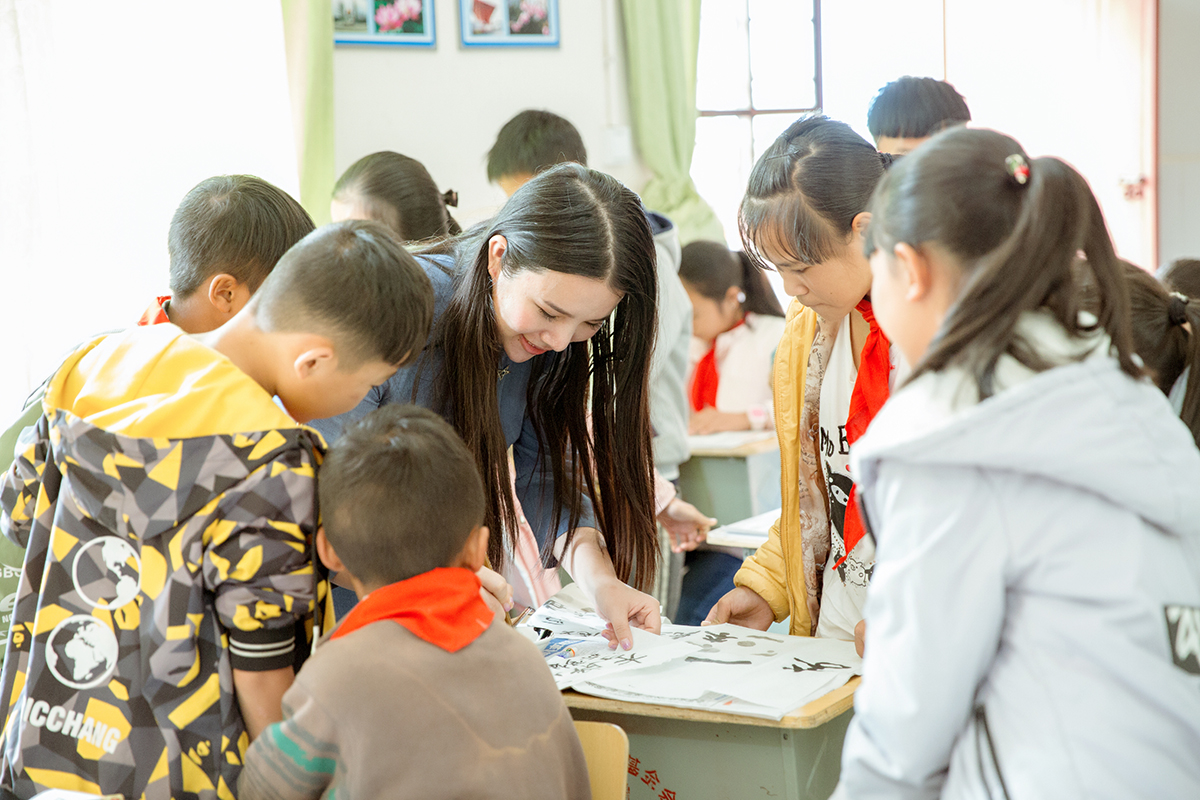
<point x="167" y="506"/>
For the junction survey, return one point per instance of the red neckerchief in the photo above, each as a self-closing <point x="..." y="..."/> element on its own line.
<point x="869" y="395"/>
<point x="441" y="606"/>
<point x="156" y="313"/>
<point x="703" y="391"/>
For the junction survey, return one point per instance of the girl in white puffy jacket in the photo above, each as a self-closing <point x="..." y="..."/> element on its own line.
<point x="1033" y="623"/>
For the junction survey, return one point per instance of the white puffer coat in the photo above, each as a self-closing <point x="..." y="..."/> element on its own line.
<point x="1033" y="623"/>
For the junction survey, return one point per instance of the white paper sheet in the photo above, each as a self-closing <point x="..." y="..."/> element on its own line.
<point x="567" y="614"/>
<point x="574" y="660"/>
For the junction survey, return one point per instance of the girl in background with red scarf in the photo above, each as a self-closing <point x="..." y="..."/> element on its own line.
<point x="736" y="325"/>
<point x="804" y="215"/>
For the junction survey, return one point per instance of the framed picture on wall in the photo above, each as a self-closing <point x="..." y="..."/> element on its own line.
<point x="509" y="23"/>
<point x="384" y="22"/>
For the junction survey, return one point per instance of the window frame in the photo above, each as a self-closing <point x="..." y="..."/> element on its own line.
<point x="751" y="112"/>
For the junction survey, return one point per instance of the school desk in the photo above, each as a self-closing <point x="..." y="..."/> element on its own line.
<point x="683" y="754"/>
<point x="732" y="476"/>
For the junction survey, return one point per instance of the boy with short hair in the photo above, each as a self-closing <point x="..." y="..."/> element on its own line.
<point x="225" y="238"/>
<point x="420" y="691"/>
<point x="530" y="142"/>
<point x="909" y="110"/>
<point x="167" y="505"/>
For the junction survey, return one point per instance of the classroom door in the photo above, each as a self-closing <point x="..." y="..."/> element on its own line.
<point x="1074" y="79"/>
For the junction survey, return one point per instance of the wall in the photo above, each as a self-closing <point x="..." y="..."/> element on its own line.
<point x="108" y="116"/>
<point x="860" y="53"/>
<point x="1079" y="87"/>
<point x="1178" y="126"/>
<point x="444" y="106"/>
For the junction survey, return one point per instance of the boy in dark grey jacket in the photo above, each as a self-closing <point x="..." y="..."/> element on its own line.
<point x="420" y="691"/>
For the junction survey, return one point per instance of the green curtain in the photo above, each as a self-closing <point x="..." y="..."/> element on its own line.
<point x="661" y="42"/>
<point x="308" y="41"/>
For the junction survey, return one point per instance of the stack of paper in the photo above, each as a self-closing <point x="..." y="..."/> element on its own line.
<point x="727" y="440"/>
<point x="748" y="533"/>
<point x="719" y="667"/>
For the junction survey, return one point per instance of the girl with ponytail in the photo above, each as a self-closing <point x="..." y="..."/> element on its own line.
<point x="805" y="215"/>
<point x="736" y="325"/>
<point x="399" y="192"/>
<point x="1032" y="616"/>
<point x="1166" y="335"/>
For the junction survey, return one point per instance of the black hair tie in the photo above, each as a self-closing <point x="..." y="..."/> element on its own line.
<point x="1177" y="308"/>
<point x="887" y="159"/>
<point x="450" y="198"/>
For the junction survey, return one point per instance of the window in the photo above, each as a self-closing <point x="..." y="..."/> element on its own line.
<point x="758" y="69"/>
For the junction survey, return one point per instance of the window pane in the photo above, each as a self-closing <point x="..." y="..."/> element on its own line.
<point x="722" y="64"/>
<point x="781" y="54"/>
<point x="767" y="128"/>
<point x="721" y="168"/>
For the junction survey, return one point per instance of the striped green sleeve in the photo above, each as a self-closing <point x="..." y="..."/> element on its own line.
<point x="295" y="759"/>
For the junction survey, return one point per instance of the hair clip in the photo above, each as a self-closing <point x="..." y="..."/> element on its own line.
<point x="1177" y="308"/>
<point x="450" y="198"/>
<point x="1018" y="168"/>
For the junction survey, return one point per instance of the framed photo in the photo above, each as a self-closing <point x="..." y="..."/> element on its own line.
<point x="384" y="22"/>
<point x="509" y="23"/>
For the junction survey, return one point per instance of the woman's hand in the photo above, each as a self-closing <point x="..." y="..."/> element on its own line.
<point x="620" y="605"/>
<point x="684" y="523"/>
<point x="623" y="607"/>
<point x="860" y="636"/>
<point x="743" y="607"/>
<point x="709" y="420"/>
<point x="495" y="589"/>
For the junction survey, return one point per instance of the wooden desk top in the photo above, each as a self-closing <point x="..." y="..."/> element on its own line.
<point x="813" y="715"/>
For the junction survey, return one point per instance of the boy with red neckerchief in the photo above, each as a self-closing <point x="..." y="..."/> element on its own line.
<point x="421" y="691"/>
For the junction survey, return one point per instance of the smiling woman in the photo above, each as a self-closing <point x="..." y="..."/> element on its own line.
<point x="543" y="328"/>
<point x="543" y="310"/>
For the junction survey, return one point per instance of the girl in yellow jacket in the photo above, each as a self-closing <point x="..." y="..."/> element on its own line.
<point x="804" y="214"/>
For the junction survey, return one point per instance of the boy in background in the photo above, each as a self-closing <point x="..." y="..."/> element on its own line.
<point x="908" y="111"/>
<point x="421" y="691"/>
<point x="163" y="606"/>
<point x="225" y="238"/>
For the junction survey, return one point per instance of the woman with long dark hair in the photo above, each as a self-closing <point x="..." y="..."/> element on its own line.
<point x="543" y="329"/>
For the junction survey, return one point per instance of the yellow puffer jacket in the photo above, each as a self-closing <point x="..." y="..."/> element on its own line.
<point x="776" y="571"/>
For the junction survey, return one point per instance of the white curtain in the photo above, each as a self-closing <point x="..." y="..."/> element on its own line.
<point x="109" y="113"/>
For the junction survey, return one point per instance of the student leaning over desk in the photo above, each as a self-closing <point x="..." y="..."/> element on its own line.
<point x="805" y="214"/>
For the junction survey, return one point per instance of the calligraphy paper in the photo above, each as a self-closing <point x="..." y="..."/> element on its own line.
<point x="719" y="667"/>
